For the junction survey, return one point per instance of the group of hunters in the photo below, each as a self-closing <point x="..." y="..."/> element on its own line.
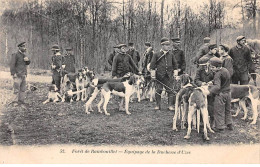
<point x="218" y="66"/>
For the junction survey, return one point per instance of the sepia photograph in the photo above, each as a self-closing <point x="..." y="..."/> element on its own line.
<point x="129" y="81"/>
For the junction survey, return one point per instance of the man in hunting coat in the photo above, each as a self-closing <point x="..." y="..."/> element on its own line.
<point x="204" y="49"/>
<point x="69" y="61"/>
<point x="56" y="65"/>
<point x="179" y="55"/>
<point x="242" y="61"/>
<point x="123" y="63"/>
<point x="165" y="64"/>
<point x="147" y="57"/>
<point x="18" y="68"/>
<point x="133" y="53"/>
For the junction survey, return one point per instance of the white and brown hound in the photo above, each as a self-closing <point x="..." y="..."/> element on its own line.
<point x="123" y="89"/>
<point x="182" y="100"/>
<point x="241" y="93"/>
<point x="198" y="102"/>
<point x="53" y="95"/>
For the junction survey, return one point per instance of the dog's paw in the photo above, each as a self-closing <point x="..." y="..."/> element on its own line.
<point x="87" y="112"/>
<point x="206" y="138"/>
<point x="128" y="113"/>
<point x="244" y="118"/>
<point x="234" y="115"/>
<point x="187" y="137"/>
<point x="107" y="114"/>
<point x="251" y="118"/>
<point x="253" y="123"/>
<point x="175" y="129"/>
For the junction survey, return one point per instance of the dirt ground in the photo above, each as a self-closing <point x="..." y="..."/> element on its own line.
<point x="67" y="123"/>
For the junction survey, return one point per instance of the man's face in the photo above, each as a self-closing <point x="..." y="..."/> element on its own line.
<point x="242" y="42"/>
<point x="214" y="50"/>
<point x="176" y="44"/>
<point x="69" y="52"/>
<point x="166" y="47"/>
<point x="213" y="68"/>
<point x="123" y="49"/>
<point x="221" y="50"/>
<point x="22" y="48"/>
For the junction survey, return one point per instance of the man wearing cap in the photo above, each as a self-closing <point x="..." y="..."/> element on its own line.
<point x="166" y="66"/>
<point x="123" y="63"/>
<point x="204" y="49"/>
<point x="56" y="65"/>
<point x="112" y="55"/>
<point x="212" y="51"/>
<point x="18" y="68"/>
<point x="148" y="54"/>
<point x="242" y="61"/>
<point x="68" y="62"/>
<point x="133" y="53"/>
<point x="221" y="90"/>
<point x="204" y="76"/>
<point x="227" y="60"/>
<point x="179" y="55"/>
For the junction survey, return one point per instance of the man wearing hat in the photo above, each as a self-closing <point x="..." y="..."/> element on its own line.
<point x="204" y="49"/>
<point x="112" y="55"/>
<point x="68" y="62"/>
<point x="18" y="68"/>
<point x="179" y="55"/>
<point x="164" y="68"/>
<point x="242" y="61"/>
<point x="227" y="60"/>
<point x="133" y="53"/>
<point x="221" y="90"/>
<point x="204" y="76"/>
<point x="123" y="63"/>
<point x="56" y="66"/>
<point x="147" y="57"/>
<point x="212" y="51"/>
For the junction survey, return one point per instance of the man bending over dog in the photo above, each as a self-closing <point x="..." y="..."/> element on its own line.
<point x="221" y="90"/>
<point x="165" y="65"/>
<point x="204" y="75"/>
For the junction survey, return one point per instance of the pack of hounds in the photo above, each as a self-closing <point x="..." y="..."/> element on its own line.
<point x="191" y="101"/>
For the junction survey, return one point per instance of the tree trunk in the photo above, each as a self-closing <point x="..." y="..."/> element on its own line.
<point x="162" y="8"/>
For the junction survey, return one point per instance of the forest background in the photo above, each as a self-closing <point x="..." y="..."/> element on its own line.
<point x="93" y="27"/>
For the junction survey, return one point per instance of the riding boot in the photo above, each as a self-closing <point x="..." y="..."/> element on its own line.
<point x="158" y="101"/>
<point x="171" y="102"/>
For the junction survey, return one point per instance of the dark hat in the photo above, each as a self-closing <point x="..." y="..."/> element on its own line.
<point x="239" y="38"/>
<point x="203" y="60"/>
<point x="130" y="43"/>
<point x="165" y="41"/>
<point x="68" y="48"/>
<point x="21" y="44"/>
<point x="120" y="46"/>
<point x="55" y="47"/>
<point x="206" y="39"/>
<point x="214" y="61"/>
<point x="226" y="48"/>
<point x="176" y="40"/>
<point x="212" y="46"/>
<point x="147" y="44"/>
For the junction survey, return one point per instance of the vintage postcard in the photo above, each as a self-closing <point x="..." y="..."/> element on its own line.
<point x="129" y="81"/>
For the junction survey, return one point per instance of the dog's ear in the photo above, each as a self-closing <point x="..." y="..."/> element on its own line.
<point x="131" y="80"/>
